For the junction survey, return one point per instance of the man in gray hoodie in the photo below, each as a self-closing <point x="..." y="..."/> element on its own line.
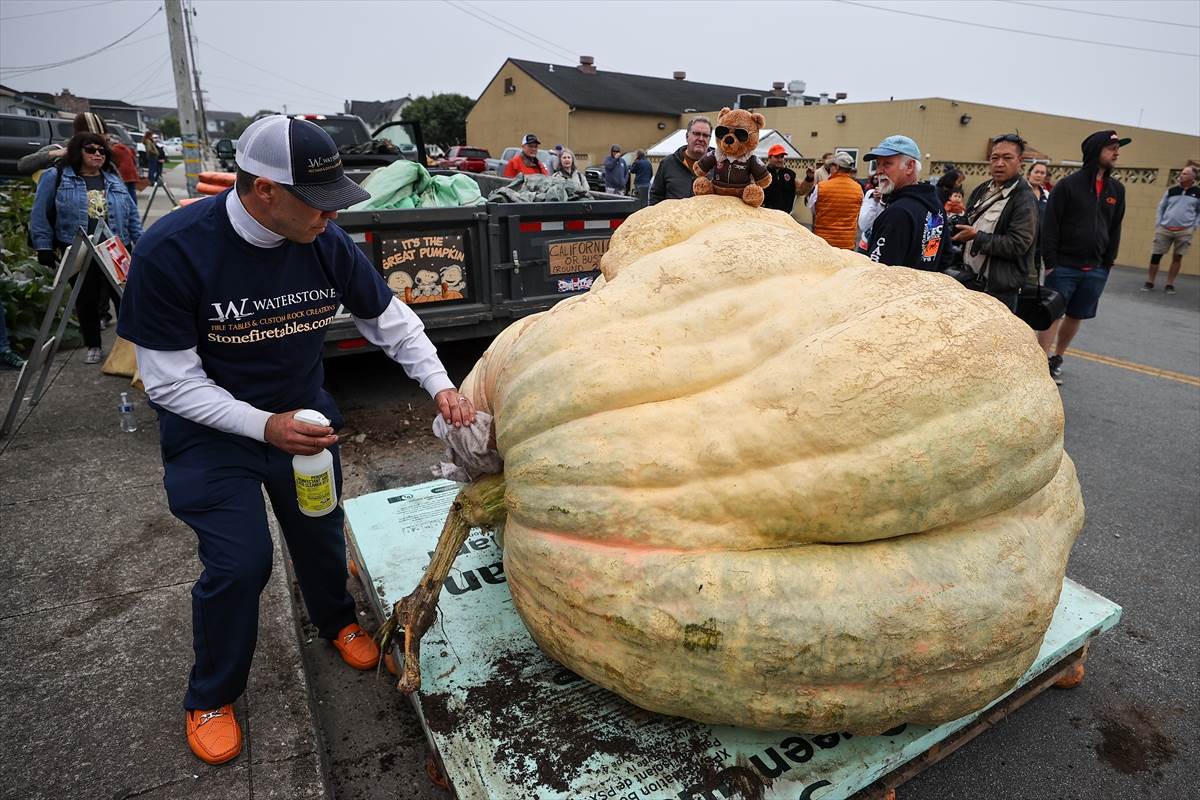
<point x="1176" y="221"/>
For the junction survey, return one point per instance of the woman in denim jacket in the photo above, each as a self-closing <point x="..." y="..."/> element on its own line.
<point x="83" y="189"/>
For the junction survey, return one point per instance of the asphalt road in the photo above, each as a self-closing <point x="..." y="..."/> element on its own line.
<point x="1128" y="732"/>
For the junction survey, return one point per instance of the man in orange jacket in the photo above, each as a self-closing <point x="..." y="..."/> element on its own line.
<point x="835" y="203"/>
<point x="526" y="162"/>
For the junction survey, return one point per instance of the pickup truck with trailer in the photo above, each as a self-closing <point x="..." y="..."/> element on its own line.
<point x="470" y="271"/>
<point x="21" y="135"/>
<point x="364" y="150"/>
<point x="465" y="159"/>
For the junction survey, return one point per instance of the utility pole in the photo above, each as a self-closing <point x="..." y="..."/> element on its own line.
<point x="202" y="120"/>
<point x="183" y="93"/>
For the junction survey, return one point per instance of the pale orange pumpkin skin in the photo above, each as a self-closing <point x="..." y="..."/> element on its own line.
<point x="754" y="480"/>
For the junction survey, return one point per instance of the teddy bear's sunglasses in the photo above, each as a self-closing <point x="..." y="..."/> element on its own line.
<point x="741" y="134"/>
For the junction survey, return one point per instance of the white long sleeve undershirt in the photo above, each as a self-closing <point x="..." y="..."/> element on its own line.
<point x="175" y="379"/>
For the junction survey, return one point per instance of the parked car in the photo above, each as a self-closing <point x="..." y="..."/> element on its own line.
<point x="465" y="159"/>
<point x="226" y="151"/>
<point x="21" y="135"/>
<point x="496" y="165"/>
<point x="595" y="173"/>
<point x="356" y="142"/>
<point x="172" y="148"/>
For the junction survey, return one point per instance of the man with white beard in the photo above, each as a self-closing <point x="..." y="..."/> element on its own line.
<point x="908" y="232"/>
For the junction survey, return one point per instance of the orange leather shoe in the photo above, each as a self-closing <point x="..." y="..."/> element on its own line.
<point x="357" y="647"/>
<point x="214" y="736"/>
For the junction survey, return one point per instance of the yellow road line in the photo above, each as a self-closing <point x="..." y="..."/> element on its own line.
<point x="1133" y="366"/>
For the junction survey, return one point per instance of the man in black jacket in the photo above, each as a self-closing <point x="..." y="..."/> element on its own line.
<point x="674" y="178"/>
<point x="1081" y="233"/>
<point x="780" y="194"/>
<point x="1003" y="223"/>
<point x="908" y="232"/>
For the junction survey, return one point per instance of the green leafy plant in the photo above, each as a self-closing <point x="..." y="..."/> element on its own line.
<point x="25" y="285"/>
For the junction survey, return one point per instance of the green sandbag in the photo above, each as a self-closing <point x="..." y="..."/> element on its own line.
<point x="407" y="184"/>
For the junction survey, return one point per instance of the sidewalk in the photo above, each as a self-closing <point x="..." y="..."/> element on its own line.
<point x="95" y="619"/>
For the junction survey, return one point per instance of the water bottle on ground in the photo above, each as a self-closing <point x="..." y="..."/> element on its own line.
<point x="125" y="412"/>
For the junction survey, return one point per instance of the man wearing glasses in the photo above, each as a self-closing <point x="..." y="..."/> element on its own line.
<point x="1002" y="229"/>
<point x="227" y="308"/>
<point x="674" y="178"/>
<point x="1081" y="232"/>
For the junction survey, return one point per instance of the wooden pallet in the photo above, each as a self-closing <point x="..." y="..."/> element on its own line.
<point x="503" y="721"/>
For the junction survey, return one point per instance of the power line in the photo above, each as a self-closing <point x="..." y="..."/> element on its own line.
<point x="238" y="83"/>
<point x="1091" y="13"/>
<point x="268" y="72"/>
<point x="149" y="71"/>
<point x="556" y="51"/>
<point x="241" y="86"/>
<point x="130" y="43"/>
<point x="169" y="90"/>
<point x="553" y="45"/>
<point x="38" y="67"/>
<point x="1015" y="30"/>
<point x="57" y="10"/>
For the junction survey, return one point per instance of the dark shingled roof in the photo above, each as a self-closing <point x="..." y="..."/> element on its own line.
<point x="635" y="94"/>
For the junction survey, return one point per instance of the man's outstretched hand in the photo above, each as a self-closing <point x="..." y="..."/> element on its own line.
<point x="455" y="408"/>
<point x="295" y="437"/>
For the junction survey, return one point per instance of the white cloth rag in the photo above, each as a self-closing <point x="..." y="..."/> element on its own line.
<point x="468" y="450"/>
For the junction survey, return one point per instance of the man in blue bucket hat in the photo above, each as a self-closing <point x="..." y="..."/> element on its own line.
<point x="908" y="232"/>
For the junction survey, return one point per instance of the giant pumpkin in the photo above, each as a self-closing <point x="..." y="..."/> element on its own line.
<point x="755" y="480"/>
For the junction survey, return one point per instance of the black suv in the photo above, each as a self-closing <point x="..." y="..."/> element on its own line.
<point x="21" y="135"/>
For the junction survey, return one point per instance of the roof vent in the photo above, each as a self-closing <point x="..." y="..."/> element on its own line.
<point x="679" y="75"/>
<point x="587" y="65"/>
<point x="777" y="88"/>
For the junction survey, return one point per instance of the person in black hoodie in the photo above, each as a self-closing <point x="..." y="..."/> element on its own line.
<point x="1081" y="233"/>
<point x="908" y="232"/>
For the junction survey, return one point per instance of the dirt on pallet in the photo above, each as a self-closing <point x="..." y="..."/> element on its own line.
<point x="548" y="725"/>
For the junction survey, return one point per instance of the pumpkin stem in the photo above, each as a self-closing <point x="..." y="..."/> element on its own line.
<point x="479" y="505"/>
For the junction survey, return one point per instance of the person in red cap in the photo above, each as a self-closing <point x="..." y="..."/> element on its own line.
<point x="781" y="194"/>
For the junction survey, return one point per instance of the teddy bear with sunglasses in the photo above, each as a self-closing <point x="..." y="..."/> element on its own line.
<point x="735" y="170"/>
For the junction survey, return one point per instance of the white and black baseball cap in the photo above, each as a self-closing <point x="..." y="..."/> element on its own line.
<point x="301" y="157"/>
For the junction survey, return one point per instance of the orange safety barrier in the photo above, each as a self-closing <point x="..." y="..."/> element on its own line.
<point x="209" y="188"/>
<point x="187" y="201"/>
<point x="218" y="178"/>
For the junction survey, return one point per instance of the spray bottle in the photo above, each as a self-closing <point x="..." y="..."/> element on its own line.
<point x="316" y="493"/>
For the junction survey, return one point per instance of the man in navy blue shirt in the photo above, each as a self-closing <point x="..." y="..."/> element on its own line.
<point x="227" y="307"/>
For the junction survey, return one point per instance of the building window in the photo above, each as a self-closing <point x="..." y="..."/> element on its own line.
<point x="509" y="86"/>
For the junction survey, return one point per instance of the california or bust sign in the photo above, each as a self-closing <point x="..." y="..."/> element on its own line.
<point x="829" y="495"/>
<point x="736" y="171"/>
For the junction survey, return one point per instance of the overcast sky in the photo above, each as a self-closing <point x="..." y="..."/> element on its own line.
<point x="310" y="54"/>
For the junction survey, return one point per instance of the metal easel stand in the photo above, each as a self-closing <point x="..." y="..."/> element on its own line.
<point x="158" y="184"/>
<point x="74" y="264"/>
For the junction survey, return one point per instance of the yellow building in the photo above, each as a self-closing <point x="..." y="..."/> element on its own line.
<point x="586" y="109"/>
<point x="958" y="132"/>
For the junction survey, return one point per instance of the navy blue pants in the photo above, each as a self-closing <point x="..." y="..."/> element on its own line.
<point x="214" y="483"/>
